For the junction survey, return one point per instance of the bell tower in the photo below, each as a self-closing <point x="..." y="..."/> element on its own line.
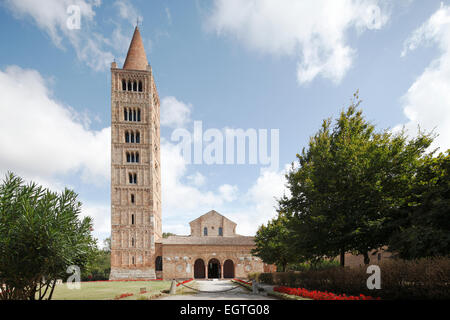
<point x="135" y="166"/>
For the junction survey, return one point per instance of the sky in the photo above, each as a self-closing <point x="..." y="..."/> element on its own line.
<point x="282" y="65"/>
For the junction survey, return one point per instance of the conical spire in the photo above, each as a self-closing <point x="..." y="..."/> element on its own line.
<point x="136" y="57"/>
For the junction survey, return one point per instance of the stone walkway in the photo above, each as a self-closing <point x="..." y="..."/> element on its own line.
<point x="218" y="285"/>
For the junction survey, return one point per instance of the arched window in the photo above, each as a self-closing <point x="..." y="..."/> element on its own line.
<point x="127" y="137"/>
<point x="205" y="231"/>
<point x="128" y="157"/>
<point x="137" y="157"/>
<point x="140" y="86"/>
<point x="132" y="137"/>
<point x="132" y="260"/>
<point x="220" y="231"/>
<point x="132" y="222"/>
<point x="138" y="137"/>
<point x="125" y="114"/>
<point x="133" y="158"/>
<point x="132" y="198"/>
<point x="129" y="85"/>
<point x="134" y="86"/>
<point x="135" y="178"/>
<point x="124" y="85"/>
<point x="139" y="115"/>
<point x="130" y="177"/>
<point x="134" y="115"/>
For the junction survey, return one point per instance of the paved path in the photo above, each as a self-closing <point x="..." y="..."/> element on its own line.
<point x="219" y="285"/>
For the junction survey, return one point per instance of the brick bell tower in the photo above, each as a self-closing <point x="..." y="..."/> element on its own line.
<point x="135" y="166"/>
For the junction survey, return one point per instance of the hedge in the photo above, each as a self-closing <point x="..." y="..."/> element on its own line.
<point x="400" y="279"/>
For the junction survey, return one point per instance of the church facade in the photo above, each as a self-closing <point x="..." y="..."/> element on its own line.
<point x="138" y="251"/>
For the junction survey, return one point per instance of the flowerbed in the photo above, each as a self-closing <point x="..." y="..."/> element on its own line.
<point x="185" y="281"/>
<point x="320" y="295"/>
<point x="124" y="295"/>
<point x="242" y="281"/>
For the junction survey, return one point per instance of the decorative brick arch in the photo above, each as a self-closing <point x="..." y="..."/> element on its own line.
<point x="228" y="269"/>
<point x="199" y="269"/>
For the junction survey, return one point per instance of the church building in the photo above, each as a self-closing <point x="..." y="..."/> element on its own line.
<point x="138" y="250"/>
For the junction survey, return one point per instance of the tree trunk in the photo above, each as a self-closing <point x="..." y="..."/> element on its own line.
<point x="342" y="258"/>
<point x="366" y="258"/>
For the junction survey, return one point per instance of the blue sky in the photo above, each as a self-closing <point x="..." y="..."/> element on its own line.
<point x="245" y="64"/>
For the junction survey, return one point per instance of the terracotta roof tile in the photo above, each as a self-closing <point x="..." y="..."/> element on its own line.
<point x="136" y="57"/>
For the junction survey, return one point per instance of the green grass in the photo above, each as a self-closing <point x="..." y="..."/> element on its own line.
<point x="110" y="290"/>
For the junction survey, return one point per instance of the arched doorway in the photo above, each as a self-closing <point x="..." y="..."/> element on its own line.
<point x="228" y="269"/>
<point x="199" y="269"/>
<point x="213" y="269"/>
<point x="159" y="264"/>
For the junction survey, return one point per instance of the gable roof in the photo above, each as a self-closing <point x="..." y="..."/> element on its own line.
<point x="211" y="213"/>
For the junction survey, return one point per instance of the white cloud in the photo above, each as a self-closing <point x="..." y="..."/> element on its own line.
<point x="260" y="202"/>
<point x="39" y="137"/>
<point x="427" y="102"/>
<point x="314" y="31"/>
<point x="128" y="12"/>
<point x="197" y="179"/>
<point x="92" y="48"/>
<point x="52" y="16"/>
<point x="181" y="198"/>
<point x="174" y="113"/>
<point x="101" y="215"/>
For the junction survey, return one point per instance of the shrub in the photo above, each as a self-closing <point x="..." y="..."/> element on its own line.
<point x="418" y="279"/>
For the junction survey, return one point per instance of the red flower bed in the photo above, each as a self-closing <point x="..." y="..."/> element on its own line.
<point x="124" y="295"/>
<point x="319" y="295"/>
<point x="185" y="281"/>
<point x="242" y="281"/>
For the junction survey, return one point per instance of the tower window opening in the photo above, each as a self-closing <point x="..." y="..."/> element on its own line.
<point x="129" y="85"/>
<point x="135" y="178"/>
<point x="132" y="222"/>
<point x="132" y="137"/>
<point x="125" y="114"/>
<point x="127" y="137"/>
<point x="134" y="116"/>
<point x="128" y="157"/>
<point x="134" y="86"/>
<point x="139" y="115"/>
<point x="124" y="85"/>
<point x="140" y="86"/>
<point x="138" y="137"/>
<point x="132" y="198"/>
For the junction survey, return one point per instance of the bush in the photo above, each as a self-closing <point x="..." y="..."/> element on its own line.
<point x="418" y="279"/>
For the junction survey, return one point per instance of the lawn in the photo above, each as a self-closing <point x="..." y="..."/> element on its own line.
<point x="110" y="290"/>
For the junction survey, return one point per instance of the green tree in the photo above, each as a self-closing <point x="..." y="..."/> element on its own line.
<point x="165" y="235"/>
<point x="348" y="185"/>
<point x="422" y="225"/>
<point x="99" y="265"/>
<point x="271" y="243"/>
<point x="41" y="235"/>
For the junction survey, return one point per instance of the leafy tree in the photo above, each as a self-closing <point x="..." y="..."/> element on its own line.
<point x="40" y="237"/>
<point x="422" y="225"/>
<point x="98" y="266"/>
<point x="271" y="243"/>
<point x="348" y="185"/>
<point x="107" y="244"/>
<point x="165" y="235"/>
